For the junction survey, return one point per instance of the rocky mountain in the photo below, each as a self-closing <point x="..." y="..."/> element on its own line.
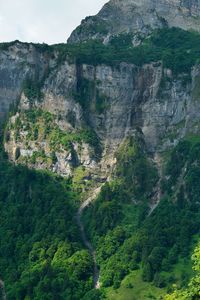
<point x="115" y="113"/>
<point x="138" y="17"/>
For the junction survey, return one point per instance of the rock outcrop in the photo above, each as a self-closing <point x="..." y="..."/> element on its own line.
<point x="138" y="17"/>
<point x="16" y="63"/>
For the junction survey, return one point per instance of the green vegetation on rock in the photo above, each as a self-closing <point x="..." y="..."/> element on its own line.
<point x="179" y="50"/>
<point x="40" y="127"/>
<point x="32" y="90"/>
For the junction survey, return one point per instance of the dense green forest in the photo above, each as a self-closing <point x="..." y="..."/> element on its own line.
<point x="41" y="255"/>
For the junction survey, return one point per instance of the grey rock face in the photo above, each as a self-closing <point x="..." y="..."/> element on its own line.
<point x="16" y="64"/>
<point x="146" y="97"/>
<point x="119" y="16"/>
<point x="165" y="109"/>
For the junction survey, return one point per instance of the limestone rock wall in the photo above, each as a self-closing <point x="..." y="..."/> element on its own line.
<point x="110" y="102"/>
<point x="17" y="63"/>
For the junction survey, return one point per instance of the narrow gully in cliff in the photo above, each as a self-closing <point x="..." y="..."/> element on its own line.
<point x="158" y="193"/>
<point x="85" y="239"/>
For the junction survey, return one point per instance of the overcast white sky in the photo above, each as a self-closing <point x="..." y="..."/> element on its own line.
<point x="49" y="21"/>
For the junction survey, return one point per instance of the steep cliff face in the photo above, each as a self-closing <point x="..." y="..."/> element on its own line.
<point x="138" y="17"/>
<point x="18" y="62"/>
<point x="100" y="102"/>
<point x="73" y="114"/>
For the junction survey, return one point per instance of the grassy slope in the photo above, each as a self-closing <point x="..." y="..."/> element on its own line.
<point x="140" y="290"/>
<point x="134" y="288"/>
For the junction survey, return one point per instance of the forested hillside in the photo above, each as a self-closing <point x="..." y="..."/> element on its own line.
<point x="41" y="254"/>
<point x="128" y="237"/>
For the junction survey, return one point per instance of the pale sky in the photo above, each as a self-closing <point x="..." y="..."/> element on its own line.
<point x="49" y="21"/>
